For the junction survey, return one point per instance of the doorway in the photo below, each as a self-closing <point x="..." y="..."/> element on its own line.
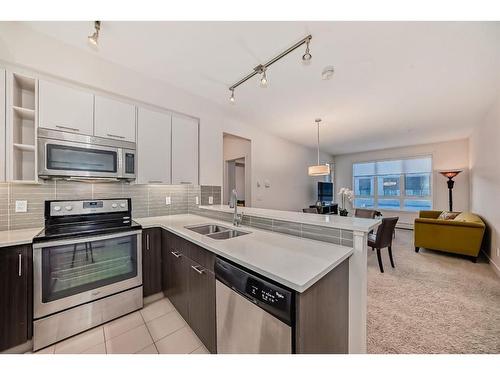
<point x="237" y="169"/>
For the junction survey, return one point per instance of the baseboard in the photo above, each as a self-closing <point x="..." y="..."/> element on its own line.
<point x="153" y="298"/>
<point x="25" y="347"/>
<point x="495" y="266"/>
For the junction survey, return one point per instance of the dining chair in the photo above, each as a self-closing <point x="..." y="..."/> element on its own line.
<point x="383" y="239"/>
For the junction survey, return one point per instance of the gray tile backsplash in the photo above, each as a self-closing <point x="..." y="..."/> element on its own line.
<point x="314" y="232"/>
<point x="210" y="191"/>
<point x="147" y="200"/>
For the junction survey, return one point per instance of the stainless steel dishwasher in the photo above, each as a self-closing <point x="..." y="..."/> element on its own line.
<point x="253" y="315"/>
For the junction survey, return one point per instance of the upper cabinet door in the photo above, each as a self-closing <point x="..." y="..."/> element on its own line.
<point x="184" y="150"/>
<point x="64" y="108"/>
<point x="114" y="119"/>
<point x="154" y="136"/>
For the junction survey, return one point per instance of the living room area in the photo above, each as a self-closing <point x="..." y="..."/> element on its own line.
<point x="433" y="286"/>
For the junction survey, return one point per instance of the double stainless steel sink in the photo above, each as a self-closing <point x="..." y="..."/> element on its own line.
<point x="216" y="231"/>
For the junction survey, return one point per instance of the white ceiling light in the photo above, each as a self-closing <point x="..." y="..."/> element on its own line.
<point x="94" y="38"/>
<point x="327" y="73"/>
<point x="261" y="68"/>
<point x="319" y="169"/>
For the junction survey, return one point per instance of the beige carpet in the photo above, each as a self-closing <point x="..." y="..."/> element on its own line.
<point x="431" y="302"/>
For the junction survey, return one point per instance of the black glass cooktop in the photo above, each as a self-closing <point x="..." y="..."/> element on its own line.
<point x="86" y="228"/>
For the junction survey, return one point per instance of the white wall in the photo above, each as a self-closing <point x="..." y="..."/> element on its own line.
<point x="275" y="159"/>
<point x="445" y="155"/>
<point x="485" y="179"/>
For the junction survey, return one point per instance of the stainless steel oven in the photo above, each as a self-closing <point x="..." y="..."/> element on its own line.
<point x="87" y="267"/>
<point x="73" y="156"/>
<point x="71" y="272"/>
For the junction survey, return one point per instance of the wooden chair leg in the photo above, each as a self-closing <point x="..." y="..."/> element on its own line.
<point x="417" y="249"/>
<point x="380" y="261"/>
<point x="390" y="256"/>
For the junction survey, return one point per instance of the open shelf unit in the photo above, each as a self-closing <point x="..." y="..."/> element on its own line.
<point x="22" y="124"/>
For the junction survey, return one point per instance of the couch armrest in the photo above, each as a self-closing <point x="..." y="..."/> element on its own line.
<point x="429" y="214"/>
<point x="454" y="223"/>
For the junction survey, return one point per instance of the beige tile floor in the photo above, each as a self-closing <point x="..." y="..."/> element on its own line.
<point x="156" y="329"/>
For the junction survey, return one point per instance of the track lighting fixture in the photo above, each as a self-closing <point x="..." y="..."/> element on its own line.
<point x="94" y="38"/>
<point x="306" y="57"/>
<point x="262" y="68"/>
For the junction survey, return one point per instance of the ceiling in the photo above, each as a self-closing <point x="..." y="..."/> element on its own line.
<point x="395" y="83"/>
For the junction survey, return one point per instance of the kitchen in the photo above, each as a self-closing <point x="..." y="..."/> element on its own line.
<point x="138" y="171"/>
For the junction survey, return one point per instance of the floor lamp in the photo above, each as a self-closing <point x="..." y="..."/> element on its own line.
<point x="451" y="175"/>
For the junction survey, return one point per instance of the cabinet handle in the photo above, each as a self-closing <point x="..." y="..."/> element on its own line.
<point x="20" y="270"/>
<point x="175" y="254"/>
<point x="115" y="136"/>
<point x="147" y="241"/>
<point x="202" y="271"/>
<point x="155" y="182"/>
<point x="67" y="128"/>
<point x="185" y="182"/>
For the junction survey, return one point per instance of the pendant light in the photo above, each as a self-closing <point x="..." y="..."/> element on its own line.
<point x="319" y="169"/>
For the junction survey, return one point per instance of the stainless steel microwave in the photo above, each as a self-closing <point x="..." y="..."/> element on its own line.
<point x="75" y="156"/>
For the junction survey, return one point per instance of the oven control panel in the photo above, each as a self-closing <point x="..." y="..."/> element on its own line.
<point x="88" y="207"/>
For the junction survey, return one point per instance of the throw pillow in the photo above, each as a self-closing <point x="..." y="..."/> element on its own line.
<point x="447" y="215"/>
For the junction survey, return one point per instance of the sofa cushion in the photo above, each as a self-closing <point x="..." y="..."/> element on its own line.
<point x="447" y="215"/>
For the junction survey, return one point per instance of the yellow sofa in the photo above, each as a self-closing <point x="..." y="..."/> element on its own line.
<point x="461" y="235"/>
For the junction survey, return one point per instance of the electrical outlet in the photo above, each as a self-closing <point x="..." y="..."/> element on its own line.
<point x="210" y="200"/>
<point x="168" y="201"/>
<point x="21" y="206"/>
<point x="197" y="200"/>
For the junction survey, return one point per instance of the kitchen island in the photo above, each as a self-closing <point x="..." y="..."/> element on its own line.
<point x="294" y="262"/>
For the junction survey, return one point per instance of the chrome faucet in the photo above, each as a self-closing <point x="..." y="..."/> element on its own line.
<point x="237" y="218"/>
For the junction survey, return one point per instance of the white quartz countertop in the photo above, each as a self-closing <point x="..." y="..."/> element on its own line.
<point x="18" y="236"/>
<point x="292" y="261"/>
<point x="332" y="221"/>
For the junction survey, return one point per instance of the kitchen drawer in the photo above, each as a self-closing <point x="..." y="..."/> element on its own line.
<point x="201" y="256"/>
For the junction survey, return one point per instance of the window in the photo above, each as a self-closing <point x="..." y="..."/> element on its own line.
<point x="393" y="184"/>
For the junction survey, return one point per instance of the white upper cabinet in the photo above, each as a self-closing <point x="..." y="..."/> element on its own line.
<point x="2" y="124"/>
<point x="154" y="135"/>
<point x="114" y="119"/>
<point x="184" y="150"/>
<point x="64" y="108"/>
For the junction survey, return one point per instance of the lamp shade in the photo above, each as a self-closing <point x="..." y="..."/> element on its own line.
<point x="450" y="174"/>
<point x="319" y="170"/>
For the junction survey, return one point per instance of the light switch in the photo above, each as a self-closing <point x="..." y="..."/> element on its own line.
<point x="197" y="200"/>
<point x="21" y="206"/>
<point x="210" y="200"/>
<point x="168" y="201"/>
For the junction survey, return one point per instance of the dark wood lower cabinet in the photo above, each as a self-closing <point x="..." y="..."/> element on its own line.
<point x="202" y="305"/>
<point x="15" y="295"/>
<point x="176" y="275"/>
<point x="151" y="261"/>
<point x="190" y="286"/>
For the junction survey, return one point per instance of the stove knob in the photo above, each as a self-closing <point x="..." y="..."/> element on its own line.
<point x="57" y="208"/>
<point x="114" y="205"/>
<point x="122" y="205"/>
<point x="68" y="208"/>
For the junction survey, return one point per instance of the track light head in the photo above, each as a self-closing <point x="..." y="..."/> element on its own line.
<point x="94" y="38"/>
<point x="231" y="98"/>
<point x="306" y="57"/>
<point x="263" y="79"/>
